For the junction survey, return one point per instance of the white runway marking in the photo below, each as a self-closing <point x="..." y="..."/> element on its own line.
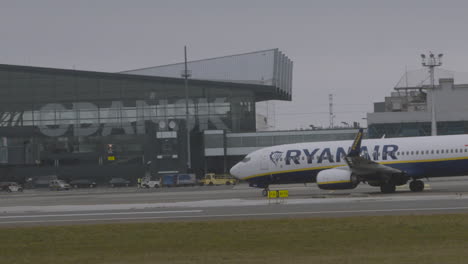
<point x="234" y="202"/>
<point x="101" y="214"/>
<point x="237" y="215"/>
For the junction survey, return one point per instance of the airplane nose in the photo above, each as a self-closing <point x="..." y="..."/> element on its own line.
<point x="235" y="171"/>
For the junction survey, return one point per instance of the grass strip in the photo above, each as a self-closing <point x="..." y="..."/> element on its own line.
<point x="367" y="239"/>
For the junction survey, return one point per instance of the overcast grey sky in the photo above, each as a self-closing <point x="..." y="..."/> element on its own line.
<point x="356" y="50"/>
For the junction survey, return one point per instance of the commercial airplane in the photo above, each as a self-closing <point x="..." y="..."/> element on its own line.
<point x="339" y="165"/>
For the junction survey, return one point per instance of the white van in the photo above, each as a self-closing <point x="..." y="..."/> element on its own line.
<point x="58" y="185"/>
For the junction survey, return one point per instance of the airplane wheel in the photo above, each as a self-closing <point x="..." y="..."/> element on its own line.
<point x="416" y="186"/>
<point x="387" y="188"/>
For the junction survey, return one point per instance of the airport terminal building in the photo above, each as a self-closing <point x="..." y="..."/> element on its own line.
<point x="407" y="111"/>
<point x="75" y="123"/>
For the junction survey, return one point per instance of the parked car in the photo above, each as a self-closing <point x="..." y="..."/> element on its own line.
<point x="83" y="183"/>
<point x="147" y="182"/>
<point x="119" y="182"/>
<point x="42" y="181"/>
<point x="59" y="185"/>
<point x="10" y="187"/>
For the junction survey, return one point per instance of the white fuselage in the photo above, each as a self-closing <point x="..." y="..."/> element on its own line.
<point x="417" y="156"/>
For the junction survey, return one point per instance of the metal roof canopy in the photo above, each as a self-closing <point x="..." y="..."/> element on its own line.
<point x="268" y="68"/>
<point x="262" y="92"/>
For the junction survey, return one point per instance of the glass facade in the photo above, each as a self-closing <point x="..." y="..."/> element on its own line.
<point x="416" y="129"/>
<point x="52" y="118"/>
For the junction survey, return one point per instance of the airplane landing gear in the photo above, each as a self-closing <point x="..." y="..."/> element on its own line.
<point x="416" y="186"/>
<point x="387" y="187"/>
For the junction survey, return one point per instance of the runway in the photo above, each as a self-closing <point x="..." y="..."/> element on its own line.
<point x="85" y="206"/>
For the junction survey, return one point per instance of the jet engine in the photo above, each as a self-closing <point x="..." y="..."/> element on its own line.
<point x="337" y="179"/>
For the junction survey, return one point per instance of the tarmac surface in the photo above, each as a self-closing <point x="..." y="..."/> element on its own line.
<point x="106" y="205"/>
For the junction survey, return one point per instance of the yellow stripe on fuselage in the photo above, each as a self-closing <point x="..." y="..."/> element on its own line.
<point x="341" y="165"/>
<point x="332" y="182"/>
<point x="296" y="170"/>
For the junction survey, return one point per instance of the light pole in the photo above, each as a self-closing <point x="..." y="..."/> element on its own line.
<point x="185" y="74"/>
<point x="431" y="63"/>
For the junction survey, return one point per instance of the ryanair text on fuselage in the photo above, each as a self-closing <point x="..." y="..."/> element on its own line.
<point x="298" y="156"/>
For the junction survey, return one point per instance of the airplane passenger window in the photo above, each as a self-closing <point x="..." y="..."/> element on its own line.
<point x="412" y="152"/>
<point x="451" y="151"/>
<point x="466" y="150"/>
<point x="432" y="151"/>
<point x="407" y="152"/>
<point x="456" y="150"/>
<point x="398" y="153"/>
<point x="437" y="151"/>
<point x="417" y="152"/>
<point x="442" y="151"/>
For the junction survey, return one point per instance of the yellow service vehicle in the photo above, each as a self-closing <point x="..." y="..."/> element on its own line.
<point x="213" y="179"/>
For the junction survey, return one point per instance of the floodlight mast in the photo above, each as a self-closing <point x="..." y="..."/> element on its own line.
<point x="431" y="63"/>
<point x="185" y="74"/>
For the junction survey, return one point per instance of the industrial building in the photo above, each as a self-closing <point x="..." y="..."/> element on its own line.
<point x="407" y="111"/>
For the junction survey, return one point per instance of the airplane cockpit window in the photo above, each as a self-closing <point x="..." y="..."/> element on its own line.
<point x="246" y="159"/>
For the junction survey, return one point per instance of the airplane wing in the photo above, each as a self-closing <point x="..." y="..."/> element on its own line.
<point x="364" y="167"/>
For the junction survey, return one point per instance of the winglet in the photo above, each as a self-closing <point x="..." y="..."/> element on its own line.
<point x="356" y="147"/>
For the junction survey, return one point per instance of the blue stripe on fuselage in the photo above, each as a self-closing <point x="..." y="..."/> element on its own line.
<point x="458" y="167"/>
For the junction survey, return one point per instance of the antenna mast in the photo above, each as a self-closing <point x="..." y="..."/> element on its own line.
<point x="330" y="109"/>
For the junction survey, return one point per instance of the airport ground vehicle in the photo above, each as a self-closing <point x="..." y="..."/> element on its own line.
<point x="213" y="179"/>
<point x="147" y="182"/>
<point x="183" y="179"/>
<point x="119" y="182"/>
<point x="10" y="187"/>
<point x="58" y="185"/>
<point x="83" y="183"/>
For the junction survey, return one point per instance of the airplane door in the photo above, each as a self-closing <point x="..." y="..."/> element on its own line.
<point x="265" y="161"/>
